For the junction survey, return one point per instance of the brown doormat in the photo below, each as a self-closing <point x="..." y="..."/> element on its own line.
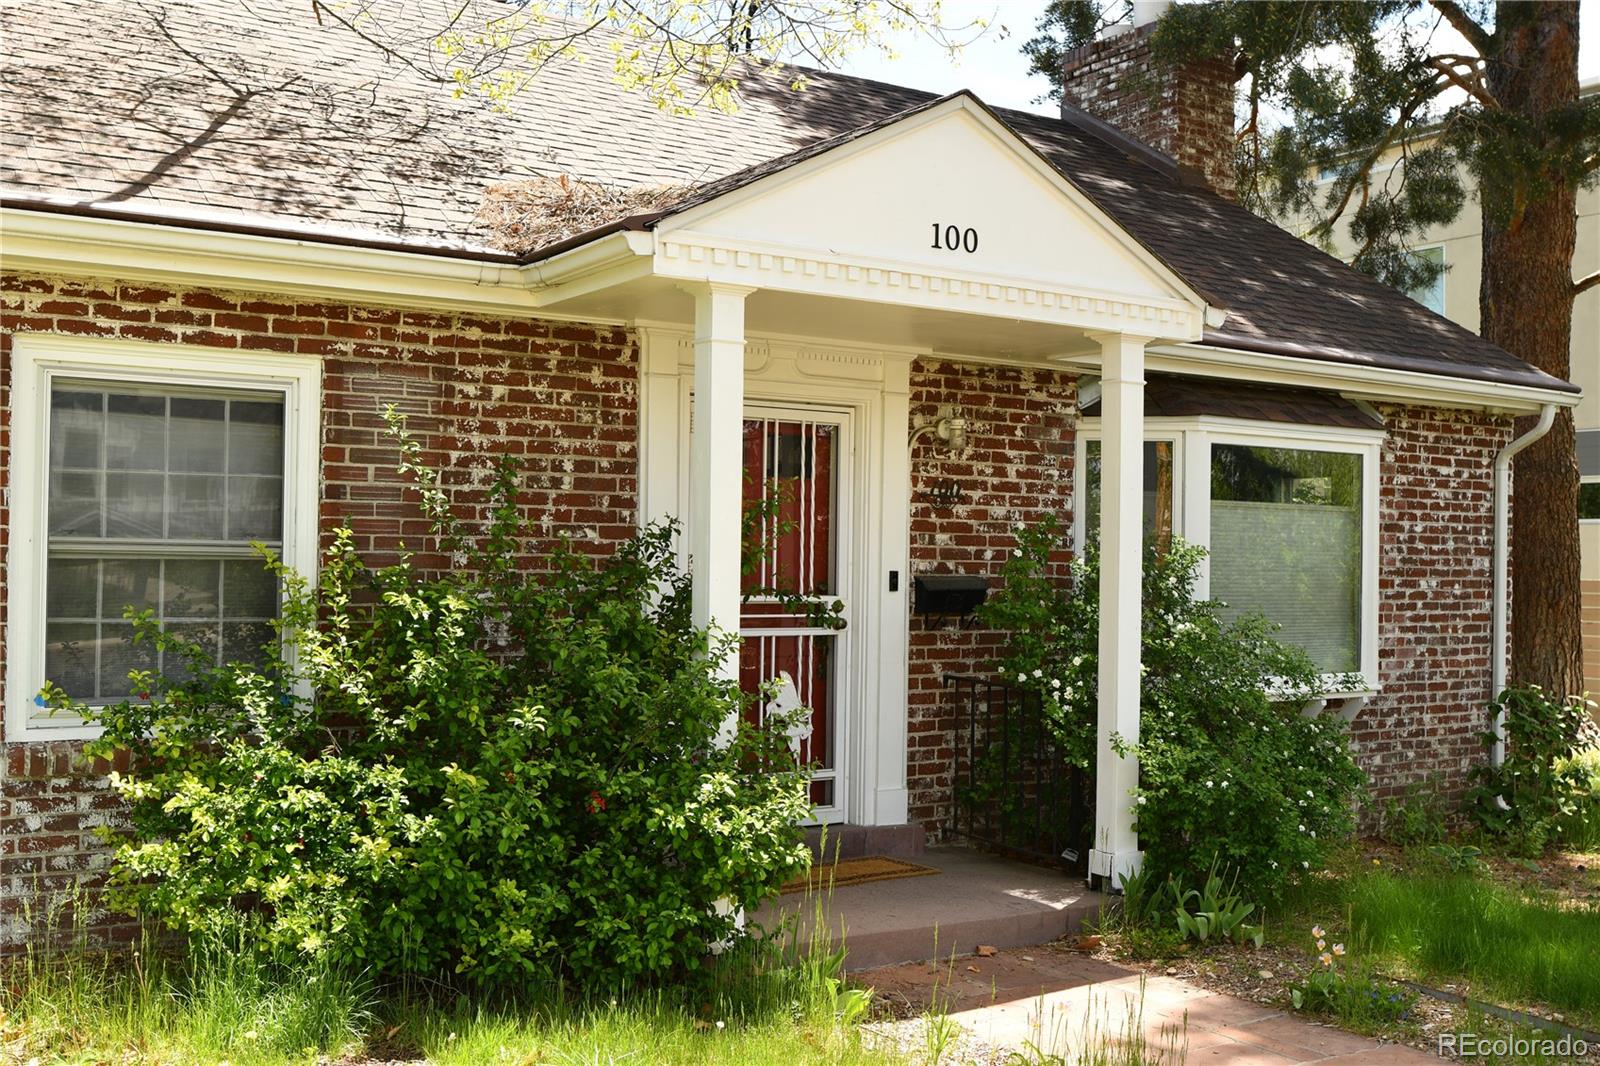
<point x="826" y="875"/>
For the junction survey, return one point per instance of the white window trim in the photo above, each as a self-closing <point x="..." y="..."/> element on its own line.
<point x="37" y="360"/>
<point x="1191" y="505"/>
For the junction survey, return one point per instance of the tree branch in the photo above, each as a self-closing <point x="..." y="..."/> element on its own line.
<point x="1463" y="24"/>
<point x="1583" y="284"/>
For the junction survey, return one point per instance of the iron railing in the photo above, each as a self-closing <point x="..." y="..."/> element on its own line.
<point x="1014" y="789"/>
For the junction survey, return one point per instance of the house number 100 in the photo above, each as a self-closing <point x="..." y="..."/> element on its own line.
<point x="955" y="239"/>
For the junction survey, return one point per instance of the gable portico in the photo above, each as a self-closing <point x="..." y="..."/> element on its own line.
<point x="815" y="280"/>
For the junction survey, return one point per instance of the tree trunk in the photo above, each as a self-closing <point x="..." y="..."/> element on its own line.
<point x="1526" y="306"/>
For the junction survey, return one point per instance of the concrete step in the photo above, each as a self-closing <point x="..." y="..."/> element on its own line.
<point x="974" y="899"/>
<point x="861" y="841"/>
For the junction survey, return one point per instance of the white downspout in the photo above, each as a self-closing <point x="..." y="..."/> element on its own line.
<point x="1502" y="512"/>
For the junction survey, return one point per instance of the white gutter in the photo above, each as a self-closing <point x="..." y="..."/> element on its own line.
<point x="1354" y="380"/>
<point x="1502" y="551"/>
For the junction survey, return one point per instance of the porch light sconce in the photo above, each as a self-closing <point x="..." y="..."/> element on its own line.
<point x="950" y="428"/>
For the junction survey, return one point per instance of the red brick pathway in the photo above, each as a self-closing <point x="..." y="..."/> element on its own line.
<point x="1054" y="1000"/>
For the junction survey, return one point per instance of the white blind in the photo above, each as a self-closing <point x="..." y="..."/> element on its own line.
<point x="1298" y="564"/>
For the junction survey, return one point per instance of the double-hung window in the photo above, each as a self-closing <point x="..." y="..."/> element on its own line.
<point x="142" y="477"/>
<point x="1287" y="513"/>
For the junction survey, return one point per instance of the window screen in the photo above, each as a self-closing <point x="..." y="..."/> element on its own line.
<point x="155" y="497"/>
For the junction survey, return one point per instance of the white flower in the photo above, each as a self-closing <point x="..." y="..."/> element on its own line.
<point x="1022" y="679"/>
<point x="1037" y="672"/>
<point x="722" y="1024"/>
<point x="1208" y="784"/>
<point x="1302" y="827"/>
<point x="1055" y="682"/>
<point x="1141" y="801"/>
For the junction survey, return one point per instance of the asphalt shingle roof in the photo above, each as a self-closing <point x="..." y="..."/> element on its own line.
<point x="255" y="113"/>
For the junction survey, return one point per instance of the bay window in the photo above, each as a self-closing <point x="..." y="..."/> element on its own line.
<point x="143" y="477"/>
<point x="1287" y="513"/>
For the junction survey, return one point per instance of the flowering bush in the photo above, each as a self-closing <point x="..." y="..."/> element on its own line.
<point x="496" y="773"/>
<point x="1232" y="769"/>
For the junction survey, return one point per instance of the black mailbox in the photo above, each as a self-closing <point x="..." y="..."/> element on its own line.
<point x="949" y="594"/>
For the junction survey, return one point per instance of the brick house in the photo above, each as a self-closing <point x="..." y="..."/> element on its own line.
<point x="936" y="320"/>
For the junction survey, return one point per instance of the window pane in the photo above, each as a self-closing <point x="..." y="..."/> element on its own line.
<point x="191" y="589"/>
<point x="77" y="420"/>
<point x="175" y="663"/>
<point x="249" y="590"/>
<point x="1157" y="490"/>
<point x="132" y="583"/>
<point x="1430" y="295"/>
<point x="1286" y="541"/>
<point x="199" y="506"/>
<point x="119" y="655"/>
<point x="69" y="657"/>
<point x="72" y="588"/>
<point x="74" y="504"/>
<point x="246" y="642"/>
<point x="197" y="435"/>
<point x="255" y="438"/>
<point x="134" y="506"/>
<point x="255" y="508"/>
<point x="1589" y="500"/>
<point x="136" y="432"/>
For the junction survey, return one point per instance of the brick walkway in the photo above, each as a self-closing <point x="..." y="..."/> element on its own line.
<point x="1051" y="1000"/>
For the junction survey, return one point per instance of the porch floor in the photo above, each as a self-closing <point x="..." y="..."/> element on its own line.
<point x="974" y="899"/>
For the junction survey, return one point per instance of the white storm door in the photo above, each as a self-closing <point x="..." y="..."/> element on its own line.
<point x="796" y="477"/>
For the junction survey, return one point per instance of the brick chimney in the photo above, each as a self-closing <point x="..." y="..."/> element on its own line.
<point x="1185" y="112"/>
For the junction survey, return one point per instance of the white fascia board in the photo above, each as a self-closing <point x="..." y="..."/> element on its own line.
<point x="1374" y="384"/>
<point x="52" y="243"/>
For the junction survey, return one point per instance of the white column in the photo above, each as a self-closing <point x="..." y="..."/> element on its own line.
<point x="1116" y="846"/>
<point x="716" y="459"/>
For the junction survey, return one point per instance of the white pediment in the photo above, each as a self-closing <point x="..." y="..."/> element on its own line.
<point x="945" y="199"/>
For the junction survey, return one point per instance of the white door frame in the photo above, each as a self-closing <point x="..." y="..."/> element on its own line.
<point x="873" y="386"/>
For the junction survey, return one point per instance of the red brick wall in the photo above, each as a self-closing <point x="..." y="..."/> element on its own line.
<point x="563" y="398"/>
<point x="1186" y="112"/>
<point x="1436" y="530"/>
<point x="560" y="397"/>
<point x="1016" y="469"/>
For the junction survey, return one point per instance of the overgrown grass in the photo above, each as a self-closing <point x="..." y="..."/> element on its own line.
<point x="766" y="1003"/>
<point x="1517" y="946"/>
<point x="1509" y="944"/>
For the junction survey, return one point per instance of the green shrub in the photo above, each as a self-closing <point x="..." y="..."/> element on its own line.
<point x="1538" y="786"/>
<point x="505" y="775"/>
<point x="1579" y="829"/>
<point x="1418" y="816"/>
<point x="1232" y="771"/>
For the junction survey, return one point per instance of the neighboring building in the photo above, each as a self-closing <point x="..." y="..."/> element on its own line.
<point x="218" y="273"/>
<point x="1459" y="248"/>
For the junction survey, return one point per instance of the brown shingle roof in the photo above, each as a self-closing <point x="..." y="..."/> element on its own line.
<point x="255" y="112"/>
